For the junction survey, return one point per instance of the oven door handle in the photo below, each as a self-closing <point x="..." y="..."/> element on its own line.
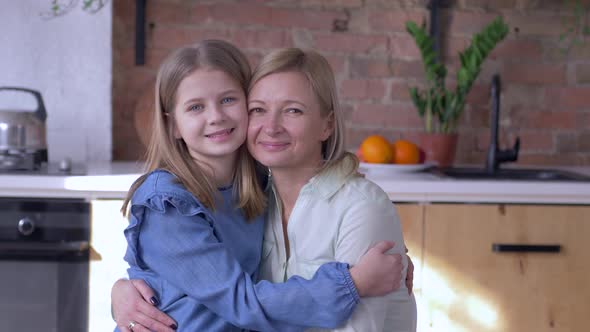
<point x="52" y="247"/>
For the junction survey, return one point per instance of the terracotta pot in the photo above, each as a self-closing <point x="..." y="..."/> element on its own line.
<point x="439" y="148"/>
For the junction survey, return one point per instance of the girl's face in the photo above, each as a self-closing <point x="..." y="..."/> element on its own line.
<point x="210" y="115"/>
<point x="286" y="127"/>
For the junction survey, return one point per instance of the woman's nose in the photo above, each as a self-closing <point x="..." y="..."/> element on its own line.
<point x="273" y="125"/>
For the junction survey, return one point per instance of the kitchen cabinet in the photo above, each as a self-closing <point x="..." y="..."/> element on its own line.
<point x="466" y="286"/>
<point x="108" y="246"/>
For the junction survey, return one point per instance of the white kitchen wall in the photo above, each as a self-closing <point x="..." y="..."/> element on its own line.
<point x="69" y="60"/>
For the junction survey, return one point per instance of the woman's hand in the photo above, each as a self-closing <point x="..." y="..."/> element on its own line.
<point x="378" y="273"/>
<point x="134" y="301"/>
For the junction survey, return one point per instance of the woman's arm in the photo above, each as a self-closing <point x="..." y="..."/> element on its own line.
<point x="190" y="262"/>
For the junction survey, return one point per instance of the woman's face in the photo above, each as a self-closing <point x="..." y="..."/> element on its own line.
<point x="210" y="115"/>
<point x="286" y="128"/>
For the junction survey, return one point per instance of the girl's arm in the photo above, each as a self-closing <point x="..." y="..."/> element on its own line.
<point x="200" y="266"/>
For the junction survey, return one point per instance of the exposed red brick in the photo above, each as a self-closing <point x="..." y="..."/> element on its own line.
<point x="583" y="73"/>
<point x="403" y="46"/>
<point x="535" y="25"/>
<point x="408" y="69"/>
<point x="172" y="37"/>
<point x="392" y="116"/>
<point x="370" y="68"/>
<point x="552" y="159"/>
<point x="528" y="73"/>
<point x="518" y="49"/>
<point x="305" y="19"/>
<point x="400" y="91"/>
<point x="490" y="5"/>
<point x="452" y="46"/>
<point x="477" y="117"/>
<point x="260" y="39"/>
<point x="167" y="12"/>
<point x="200" y="14"/>
<point x="362" y="89"/>
<point x="464" y="22"/>
<point x="479" y="95"/>
<point x="568" y="97"/>
<point x="584" y="142"/>
<point x="241" y="13"/>
<point x="549" y="120"/>
<point x="350" y="43"/>
<point x="393" y="20"/>
<point x="532" y="141"/>
<point x="338" y="64"/>
<point x="333" y="3"/>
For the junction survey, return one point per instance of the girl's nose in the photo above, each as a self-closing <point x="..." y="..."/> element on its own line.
<point x="217" y="115"/>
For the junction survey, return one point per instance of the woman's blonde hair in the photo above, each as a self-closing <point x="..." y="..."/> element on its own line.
<point x="321" y="78"/>
<point x="171" y="154"/>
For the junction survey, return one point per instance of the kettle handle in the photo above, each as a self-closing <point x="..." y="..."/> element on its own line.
<point x="40" y="112"/>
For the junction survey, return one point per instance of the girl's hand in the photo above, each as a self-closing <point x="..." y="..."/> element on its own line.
<point x="134" y="301"/>
<point x="378" y="273"/>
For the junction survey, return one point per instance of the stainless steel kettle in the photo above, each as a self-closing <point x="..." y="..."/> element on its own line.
<point x="23" y="131"/>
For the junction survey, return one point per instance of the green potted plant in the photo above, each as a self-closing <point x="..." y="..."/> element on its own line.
<point x="441" y="107"/>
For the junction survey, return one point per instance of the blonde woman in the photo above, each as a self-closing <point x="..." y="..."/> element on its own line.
<point x="320" y="209"/>
<point x="196" y="216"/>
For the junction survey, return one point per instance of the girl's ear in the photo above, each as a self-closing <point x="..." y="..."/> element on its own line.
<point x="328" y="126"/>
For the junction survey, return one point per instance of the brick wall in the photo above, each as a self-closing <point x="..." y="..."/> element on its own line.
<point x="546" y="93"/>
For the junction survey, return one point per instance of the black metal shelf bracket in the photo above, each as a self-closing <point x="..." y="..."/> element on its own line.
<point x="140" y="32"/>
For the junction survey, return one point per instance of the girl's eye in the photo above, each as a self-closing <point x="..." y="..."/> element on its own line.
<point x="228" y="100"/>
<point x="196" y="107"/>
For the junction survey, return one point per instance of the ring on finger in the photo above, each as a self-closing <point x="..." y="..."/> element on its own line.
<point x="131" y="325"/>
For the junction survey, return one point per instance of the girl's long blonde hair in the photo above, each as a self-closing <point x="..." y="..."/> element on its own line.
<point x="171" y="154"/>
<point x="321" y="78"/>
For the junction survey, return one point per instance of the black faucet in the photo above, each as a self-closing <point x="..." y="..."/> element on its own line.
<point x="495" y="154"/>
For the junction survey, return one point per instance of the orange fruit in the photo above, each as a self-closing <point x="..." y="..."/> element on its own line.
<point x="359" y="154"/>
<point x="405" y="152"/>
<point x="376" y="149"/>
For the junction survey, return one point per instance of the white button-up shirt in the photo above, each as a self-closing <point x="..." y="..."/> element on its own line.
<point x="338" y="217"/>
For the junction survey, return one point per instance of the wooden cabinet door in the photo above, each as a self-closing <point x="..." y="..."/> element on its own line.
<point x="412" y="219"/>
<point x="468" y="287"/>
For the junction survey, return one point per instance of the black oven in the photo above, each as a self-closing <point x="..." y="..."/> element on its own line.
<point x="44" y="250"/>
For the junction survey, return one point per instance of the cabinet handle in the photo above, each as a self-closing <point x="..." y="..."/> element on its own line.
<point x="541" y="248"/>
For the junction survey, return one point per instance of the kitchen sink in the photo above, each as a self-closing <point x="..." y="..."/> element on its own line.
<point x="516" y="174"/>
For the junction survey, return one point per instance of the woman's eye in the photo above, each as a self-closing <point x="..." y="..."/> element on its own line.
<point x="228" y="100"/>
<point x="196" y="107"/>
<point x="255" y="110"/>
<point x="294" y="111"/>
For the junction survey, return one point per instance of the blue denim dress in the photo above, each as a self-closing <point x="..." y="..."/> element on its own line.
<point x="203" y="265"/>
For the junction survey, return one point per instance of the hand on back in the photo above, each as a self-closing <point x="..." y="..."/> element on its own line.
<point x="134" y="301"/>
<point x="378" y="273"/>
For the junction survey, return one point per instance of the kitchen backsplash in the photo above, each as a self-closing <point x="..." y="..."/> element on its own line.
<point x="545" y="101"/>
<point x="68" y="59"/>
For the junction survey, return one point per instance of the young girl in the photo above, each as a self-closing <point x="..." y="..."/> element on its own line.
<point x="196" y="216"/>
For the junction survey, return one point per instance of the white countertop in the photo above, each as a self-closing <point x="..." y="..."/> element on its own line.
<point x="112" y="180"/>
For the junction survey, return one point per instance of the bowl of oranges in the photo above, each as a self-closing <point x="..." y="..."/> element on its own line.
<point x="380" y="156"/>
